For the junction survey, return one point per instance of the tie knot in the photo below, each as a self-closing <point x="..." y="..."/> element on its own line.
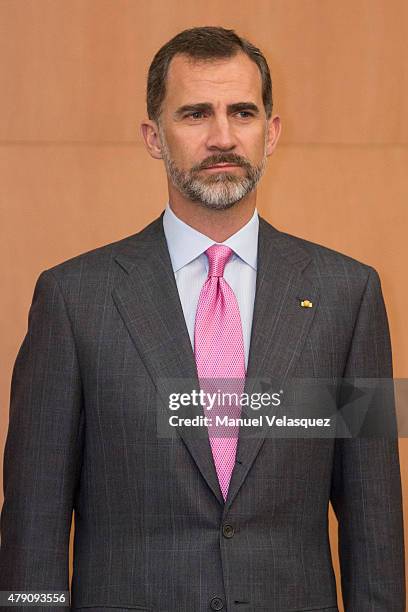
<point x="218" y="255"/>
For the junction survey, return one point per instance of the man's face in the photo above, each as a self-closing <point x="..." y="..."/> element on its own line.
<point x="212" y="114"/>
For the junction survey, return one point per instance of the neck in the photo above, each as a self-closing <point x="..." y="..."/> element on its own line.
<point x="218" y="225"/>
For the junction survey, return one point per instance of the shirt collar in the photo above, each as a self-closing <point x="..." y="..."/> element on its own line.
<point x="186" y="243"/>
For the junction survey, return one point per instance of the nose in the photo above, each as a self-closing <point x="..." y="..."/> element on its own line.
<point x="220" y="134"/>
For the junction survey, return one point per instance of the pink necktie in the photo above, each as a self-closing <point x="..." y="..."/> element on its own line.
<point x="219" y="354"/>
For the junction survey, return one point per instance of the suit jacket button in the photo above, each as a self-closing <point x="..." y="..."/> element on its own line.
<point x="228" y="531"/>
<point x="216" y="603"/>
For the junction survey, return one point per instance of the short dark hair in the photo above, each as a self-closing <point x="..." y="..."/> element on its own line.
<point x="205" y="43"/>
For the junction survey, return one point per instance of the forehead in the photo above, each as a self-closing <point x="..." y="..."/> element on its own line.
<point x="191" y="80"/>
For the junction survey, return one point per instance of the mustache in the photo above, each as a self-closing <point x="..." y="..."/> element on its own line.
<point x="222" y="158"/>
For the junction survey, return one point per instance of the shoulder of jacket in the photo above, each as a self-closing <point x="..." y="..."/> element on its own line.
<point x="325" y="260"/>
<point x="98" y="260"/>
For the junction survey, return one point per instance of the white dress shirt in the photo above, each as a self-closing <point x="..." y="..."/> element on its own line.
<point x="190" y="265"/>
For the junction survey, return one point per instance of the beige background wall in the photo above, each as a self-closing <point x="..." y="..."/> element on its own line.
<point x="74" y="173"/>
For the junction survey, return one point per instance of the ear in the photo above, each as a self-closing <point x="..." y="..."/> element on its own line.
<point x="150" y="134"/>
<point x="274" y="130"/>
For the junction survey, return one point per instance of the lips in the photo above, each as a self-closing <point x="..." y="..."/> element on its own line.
<point x="222" y="166"/>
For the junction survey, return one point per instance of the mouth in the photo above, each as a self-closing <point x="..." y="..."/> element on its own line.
<point x="221" y="167"/>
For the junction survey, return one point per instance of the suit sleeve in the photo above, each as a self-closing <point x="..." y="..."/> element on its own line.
<point x="43" y="451"/>
<point x="366" y="484"/>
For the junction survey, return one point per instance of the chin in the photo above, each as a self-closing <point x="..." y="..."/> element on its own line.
<point x="217" y="205"/>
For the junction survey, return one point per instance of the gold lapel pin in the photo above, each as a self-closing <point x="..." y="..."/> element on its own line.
<point x="306" y="304"/>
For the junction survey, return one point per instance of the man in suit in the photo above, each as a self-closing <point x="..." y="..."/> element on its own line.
<point x="209" y="290"/>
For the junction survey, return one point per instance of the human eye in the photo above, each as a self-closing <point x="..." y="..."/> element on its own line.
<point x="246" y="113"/>
<point x="194" y="114"/>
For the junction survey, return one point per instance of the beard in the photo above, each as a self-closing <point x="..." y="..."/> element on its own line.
<point x="216" y="190"/>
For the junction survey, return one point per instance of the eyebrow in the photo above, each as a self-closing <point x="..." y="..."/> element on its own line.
<point x="208" y="107"/>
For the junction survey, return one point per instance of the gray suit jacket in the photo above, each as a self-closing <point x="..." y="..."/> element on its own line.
<point x="151" y="530"/>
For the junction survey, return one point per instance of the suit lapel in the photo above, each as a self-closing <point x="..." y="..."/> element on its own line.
<point x="279" y="330"/>
<point x="148" y="301"/>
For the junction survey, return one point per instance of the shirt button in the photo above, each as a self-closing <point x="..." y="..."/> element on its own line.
<point x="228" y="531"/>
<point x="216" y="603"/>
